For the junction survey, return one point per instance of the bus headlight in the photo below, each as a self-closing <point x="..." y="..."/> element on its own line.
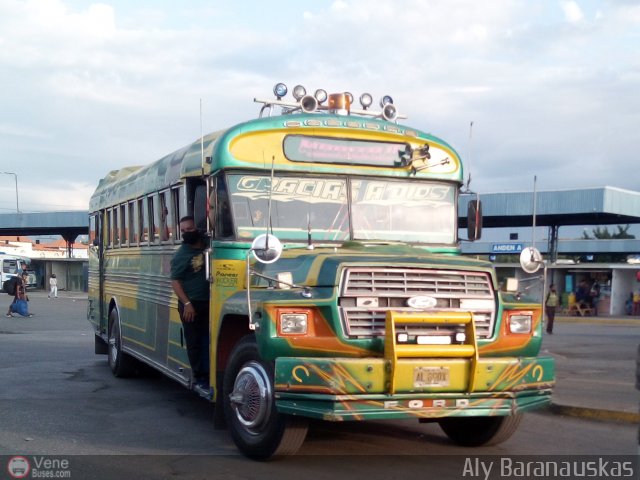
<point x="293" y="323"/>
<point x="520" y="323"/>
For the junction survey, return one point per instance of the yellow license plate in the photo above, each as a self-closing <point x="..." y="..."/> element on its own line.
<point x="430" y="377"/>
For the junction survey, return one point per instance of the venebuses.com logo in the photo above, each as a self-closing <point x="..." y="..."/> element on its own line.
<point x="18" y="467"/>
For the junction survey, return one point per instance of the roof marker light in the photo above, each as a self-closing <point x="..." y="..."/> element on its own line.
<point x="299" y="91"/>
<point x="321" y="95"/>
<point x="366" y="100"/>
<point x="280" y="90"/>
<point x="386" y="100"/>
<point x="350" y="97"/>
<point x="389" y="112"/>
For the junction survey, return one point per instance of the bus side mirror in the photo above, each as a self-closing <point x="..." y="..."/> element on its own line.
<point x="200" y="201"/>
<point x="266" y="248"/>
<point x="474" y="220"/>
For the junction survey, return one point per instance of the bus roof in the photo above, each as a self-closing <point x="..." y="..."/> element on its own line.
<point x="237" y="148"/>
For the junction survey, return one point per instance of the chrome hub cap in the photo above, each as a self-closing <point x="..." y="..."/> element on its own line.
<point x="252" y="396"/>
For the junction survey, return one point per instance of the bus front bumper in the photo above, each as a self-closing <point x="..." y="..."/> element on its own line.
<point x="338" y="389"/>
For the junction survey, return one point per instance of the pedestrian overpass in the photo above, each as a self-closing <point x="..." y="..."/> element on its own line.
<point x="555" y="209"/>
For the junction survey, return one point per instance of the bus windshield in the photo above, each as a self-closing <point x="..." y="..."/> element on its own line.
<point x="380" y="209"/>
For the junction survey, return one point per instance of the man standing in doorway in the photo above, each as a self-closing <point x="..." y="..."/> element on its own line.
<point x="189" y="282"/>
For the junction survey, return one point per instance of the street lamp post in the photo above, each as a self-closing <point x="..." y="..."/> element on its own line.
<point x="16" y="179"/>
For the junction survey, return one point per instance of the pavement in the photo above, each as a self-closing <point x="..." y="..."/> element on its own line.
<point x="595" y="367"/>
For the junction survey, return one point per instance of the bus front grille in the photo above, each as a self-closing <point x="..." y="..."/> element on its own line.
<point x="366" y="294"/>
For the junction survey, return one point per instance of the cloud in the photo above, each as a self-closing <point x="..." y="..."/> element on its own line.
<point x="100" y="86"/>
<point x="572" y="11"/>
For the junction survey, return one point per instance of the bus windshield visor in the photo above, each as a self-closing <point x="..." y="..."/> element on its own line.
<point x="385" y="210"/>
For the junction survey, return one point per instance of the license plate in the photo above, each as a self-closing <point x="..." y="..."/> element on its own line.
<point x="430" y="377"/>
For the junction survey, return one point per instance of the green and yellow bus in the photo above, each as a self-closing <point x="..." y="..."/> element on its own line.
<point x="337" y="288"/>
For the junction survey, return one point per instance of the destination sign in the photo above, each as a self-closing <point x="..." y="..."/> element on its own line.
<point x="507" y="247"/>
<point x="301" y="148"/>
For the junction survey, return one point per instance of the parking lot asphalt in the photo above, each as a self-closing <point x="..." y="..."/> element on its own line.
<point x="595" y="367"/>
<point x="595" y="359"/>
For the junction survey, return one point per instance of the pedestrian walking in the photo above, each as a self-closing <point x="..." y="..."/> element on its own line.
<point x="53" y="286"/>
<point x="20" y="304"/>
<point x="550" y="306"/>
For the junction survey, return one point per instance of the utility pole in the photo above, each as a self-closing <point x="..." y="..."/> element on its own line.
<point x="15" y="176"/>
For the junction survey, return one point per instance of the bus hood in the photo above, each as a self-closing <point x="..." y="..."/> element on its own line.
<point x="321" y="267"/>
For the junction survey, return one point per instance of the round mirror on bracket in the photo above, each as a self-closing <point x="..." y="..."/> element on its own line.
<point x="266" y="248"/>
<point x="530" y="260"/>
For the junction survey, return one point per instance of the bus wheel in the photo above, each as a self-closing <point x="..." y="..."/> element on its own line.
<point x="121" y="364"/>
<point x="476" y="431"/>
<point x="257" y="428"/>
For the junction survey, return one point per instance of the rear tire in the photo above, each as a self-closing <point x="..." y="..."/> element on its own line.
<point x="477" y="431"/>
<point x="122" y="365"/>
<point x="257" y="429"/>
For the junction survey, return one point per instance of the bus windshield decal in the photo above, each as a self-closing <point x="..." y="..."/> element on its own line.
<point x="416" y="211"/>
<point x="288" y="189"/>
<point x="301" y="148"/>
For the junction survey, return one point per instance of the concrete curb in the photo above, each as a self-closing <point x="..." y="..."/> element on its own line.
<point x="595" y="413"/>
<point x="630" y="322"/>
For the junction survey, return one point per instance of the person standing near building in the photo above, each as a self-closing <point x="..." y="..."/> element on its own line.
<point x="189" y="282"/>
<point x="53" y="286"/>
<point x="22" y="269"/>
<point x="594" y="294"/>
<point x="550" y="306"/>
<point x="582" y="295"/>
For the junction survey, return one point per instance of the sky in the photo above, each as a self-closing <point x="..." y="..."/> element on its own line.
<point x="552" y="87"/>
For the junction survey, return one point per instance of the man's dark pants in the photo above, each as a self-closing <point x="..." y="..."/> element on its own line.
<point x="196" y="334"/>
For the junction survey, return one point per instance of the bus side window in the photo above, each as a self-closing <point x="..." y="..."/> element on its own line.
<point x="124" y="232"/>
<point x="93" y="229"/>
<point x="114" y="227"/>
<point x="153" y="232"/>
<point x="143" y="224"/>
<point x="162" y="218"/>
<point x="108" y="231"/>
<point x="133" y="232"/>
<point x="175" y="206"/>
<point x="103" y="228"/>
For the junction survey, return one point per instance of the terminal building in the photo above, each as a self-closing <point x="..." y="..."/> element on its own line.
<point x="567" y="261"/>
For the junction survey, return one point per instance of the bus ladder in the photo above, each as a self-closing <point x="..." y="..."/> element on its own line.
<point x="393" y="351"/>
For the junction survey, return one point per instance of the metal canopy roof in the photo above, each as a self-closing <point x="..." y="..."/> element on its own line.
<point x="68" y="224"/>
<point x="591" y="206"/>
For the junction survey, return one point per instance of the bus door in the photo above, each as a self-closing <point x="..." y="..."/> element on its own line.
<point x="97" y="310"/>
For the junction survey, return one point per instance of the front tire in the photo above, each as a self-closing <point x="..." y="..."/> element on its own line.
<point x="477" y="431"/>
<point x="256" y="427"/>
<point x="122" y="365"/>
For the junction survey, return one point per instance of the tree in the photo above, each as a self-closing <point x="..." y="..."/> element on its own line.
<point x="602" y="233"/>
